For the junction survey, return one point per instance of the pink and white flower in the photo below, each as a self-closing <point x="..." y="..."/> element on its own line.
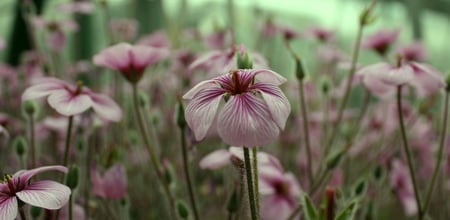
<point x="254" y="109"/>
<point x="69" y="100"/>
<point x="381" y="41"/>
<point x="45" y="193"/>
<point x="113" y="183"/>
<point x="130" y="60"/>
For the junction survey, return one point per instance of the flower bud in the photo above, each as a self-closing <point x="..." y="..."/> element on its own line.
<point x="366" y="16"/>
<point x="360" y="188"/>
<point x="20" y="145"/>
<point x="182" y="209"/>
<point x="325" y="85"/>
<point x="72" y="177"/>
<point x="333" y="160"/>
<point x="299" y="69"/>
<point x="244" y="61"/>
<point x="181" y="121"/>
<point x="143" y="99"/>
<point x="30" y="108"/>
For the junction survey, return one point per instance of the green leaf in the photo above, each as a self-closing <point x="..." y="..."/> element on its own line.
<point x="308" y="208"/>
<point x="348" y="212"/>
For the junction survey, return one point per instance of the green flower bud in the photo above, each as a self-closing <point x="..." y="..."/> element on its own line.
<point x="325" y="85"/>
<point x="334" y="159"/>
<point x="181" y="121"/>
<point x="360" y="188"/>
<point x="447" y="81"/>
<point x="20" y="144"/>
<point x="30" y="108"/>
<point x="72" y="177"/>
<point x="244" y="61"/>
<point x="300" y="72"/>
<point x="366" y="16"/>
<point x="182" y="209"/>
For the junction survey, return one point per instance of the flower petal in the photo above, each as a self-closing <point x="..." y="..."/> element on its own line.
<point x="26" y="175"/>
<point x="105" y="107"/>
<point x="197" y="88"/>
<point x="245" y="120"/>
<point x="68" y="104"/>
<point x="42" y="89"/>
<point x="269" y="76"/>
<point x="202" y="109"/>
<point x="275" y="207"/>
<point x="277" y="102"/>
<point x="45" y="194"/>
<point x="143" y="56"/>
<point x="216" y="160"/>
<point x="8" y="207"/>
<point x="115" y="182"/>
<point x="378" y="88"/>
<point x="115" y="57"/>
<point x="427" y="80"/>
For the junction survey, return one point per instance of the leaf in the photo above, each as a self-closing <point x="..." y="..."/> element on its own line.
<point x="348" y="212"/>
<point x="308" y="208"/>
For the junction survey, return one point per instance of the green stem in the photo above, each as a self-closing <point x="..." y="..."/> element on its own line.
<point x="306" y="130"/>
<point x="255" y="177"/>
<point x="408" y="151"/>
<point x="187" y="173"/>
<point x="440" y="155"/>
<point x="347" y="86"/>
<point x="68" y="136"/>
<point x="70" y="206"/>
<point x="251" y="192"/>
<point x="22" y="214"/>
<point x="32" y="141"/>
<point x="150" y="149"/>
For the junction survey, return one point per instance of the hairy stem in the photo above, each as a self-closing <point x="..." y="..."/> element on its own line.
<point x="251" y="192"/>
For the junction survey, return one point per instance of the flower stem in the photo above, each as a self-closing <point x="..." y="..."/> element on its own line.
<point x="251" y="192"/>
<point x="32" y="141"/>
<point x="187" y="174"/>
<point x="301" y="92"/>
<point x="70" y="206"/>
<point x="439" y="157"/>
<point x="22" y="214"/>
<point x="150" y="149"/>
<point x="255" y="177"/>
<point x="347" y="86"/>
<point x="68" y="136"/>
<point x="408" y="151"/>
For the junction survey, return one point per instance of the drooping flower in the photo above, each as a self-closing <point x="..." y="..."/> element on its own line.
<point x="113" y="183"/>
<point x="45" y="193"/>
<point x="57" y="37"/>
<point x="381" y="41"/>
<point x="130" y="60"/>
<point x="69" y="100"/>
<point x="279" y="193"/>
<point x="382" y="78"/>
<point x="158" y="39"/>
<point x="255" y="108"/>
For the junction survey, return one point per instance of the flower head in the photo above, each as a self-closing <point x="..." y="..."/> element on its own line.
<point x="255" y="108"/>
<point x="130" y="60"/>
<point x="381" y="41"/>
<point x="45" y="194"/>
<point x="112" y="185"/>
<point x="69" y="100"/>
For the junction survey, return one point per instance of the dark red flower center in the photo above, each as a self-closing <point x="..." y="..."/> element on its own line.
<point x="282" y="188"/>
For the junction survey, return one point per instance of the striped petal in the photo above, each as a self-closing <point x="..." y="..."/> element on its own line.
<point x="8" y="207"/>
<point x="277" y="102"/>
<point x="68" y="104"/>
<point x="45" y="194"/>
<point x="105" y="107"/>
<point x="269" y="76"/>
<point x="245" y="120"/>
<point x="202" y="109"/>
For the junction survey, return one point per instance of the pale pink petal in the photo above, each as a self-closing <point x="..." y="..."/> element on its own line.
<point x="409" y="205"/>
<point x="277" y="102"/>
<point x="115" y="57"/>
<point x="202" y="109"/>
<point x="378" y="88"/>
<point x="269" y="76"/>
<point x="42" y="90"/>
<point x="397" y="76"/>
<point x="216" y="160"/>
<point x="8" y="207"/>
<point x="68" y="104"/>
<point x="45" y="194"/>
<point x="105" y="107"/>
<point x="245" y="120"/>
<point x="115" y="182"/>
<point x="427" y="80"/>
<point x="275" y="207"/>
<point x="98" y="188"/>
<point x="143" y="56"/>
<point x="26" y="175"/>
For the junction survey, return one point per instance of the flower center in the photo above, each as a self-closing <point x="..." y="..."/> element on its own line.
<point x="282" y="188"/>
<point x="240" y="85"/>
<point x="9" y="181"/>
<point x="79" y="88"/>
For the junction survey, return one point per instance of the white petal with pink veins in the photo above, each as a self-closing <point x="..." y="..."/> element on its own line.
<point x="245" y="120"/>
<point x="105" y="107"/>
<point x="269" y="76"/>
<point x="277" y="102"/>
<point x="201" y="111"/>
<point x="8" y="207"/>
<point x="45" y="194"/>
<point x="65" y="103"/>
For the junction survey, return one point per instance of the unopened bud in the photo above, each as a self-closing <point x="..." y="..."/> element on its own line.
<point x="72" y="177"/>
<point x="334" y="160"/>
<point x="182" y="209"/>
<point x="366" y="17"/>
<point x="325" y="85"/>
<point x="244" y="61"/>
<point x="20" y="145"/>
<point x="30" y="108"/>
<point x="181" y="120"/>
<point x="360" y="188"/>
<point x="299" y="69"/>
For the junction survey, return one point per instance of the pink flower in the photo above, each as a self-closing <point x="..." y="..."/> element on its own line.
<point x="382" y="78"/>
<point x="219" y="61"/>
<point x="56" y="39"/>
<point x="130" y="60"/>
<point x="112" y="185"/>
<point x="2" y="44"/>
<point x="413" y="52"/>
<point x="70" y="100"/>
<point x="279" y="193"/>
<point x="218" y="40"/>
<point x="381" y="41"/>
<point x="254" y="111"/>
<point x="45" y="194"/>
<point x="401" y="183"/>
